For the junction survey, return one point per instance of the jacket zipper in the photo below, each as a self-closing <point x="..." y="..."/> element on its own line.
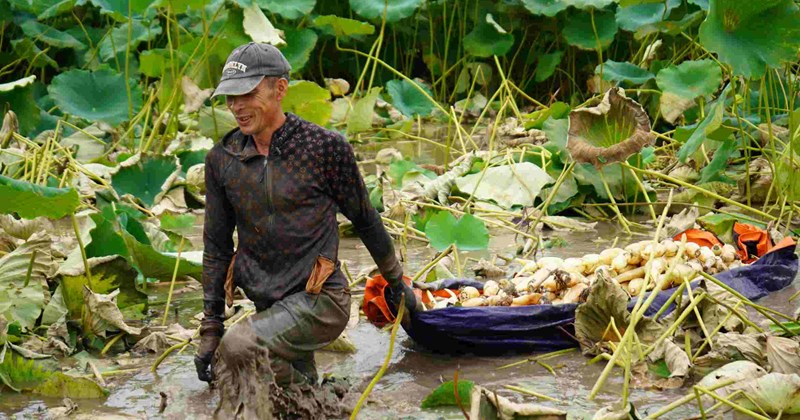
<point x="268" y="188"/>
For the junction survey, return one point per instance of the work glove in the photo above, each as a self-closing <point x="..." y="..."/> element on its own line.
<point x="393" y="294"/>
<point x="210" y="335"/>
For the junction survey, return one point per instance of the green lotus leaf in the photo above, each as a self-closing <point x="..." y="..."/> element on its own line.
<point x="547" y="65"/>
<point x="774" y="393"/>
<point x="690" y="79"/>
<point x="752" y="35"/>
<point x="395" y="9"/>
<point x="95" y="96"/>
<point x="181" y="6"/>
<point x="60" y="385"/>
<point x="31" y="201"/>
<point x="671" y="27"/>
<point x="631" y="18"/>
<point x="299" y="44"/>
<point x="105" y="240"/>
<point x="288" y="9"/>
<point x="117" y="41"/>
<point x="148" y="179"/>
<point x="578" y="29"/>
<point x="21" y="374"/>
<point x="153" y="63"/>
<point x="710" y="123"/>
<point x="50" y="35"/>
<point x="408" y="99"/>
<point x="552" y="7"/>
<point x="118" y="9"/>
<point x="360" y="117"/>
<point x="703" y="4"/>
<point x="611" y="131"/>
<point x="18" y="96"/>
<point x="19" y="301"/>
<point x="28" y="50"/>
<point x="486" y="40"/>
<point x="343" y="27"/>
<point x="508" y="185"/>
<point x="399" y="168"/>
<point x="158" y="265"/>
<point x="624" y="72"/>
<point x="43" y="9"/>
<point x="715" y="170"/>
<point x="109" y="273"/>
<point x="444" y="395"/>
<point x="309" y="100"/>
<point x="467" y="233"/>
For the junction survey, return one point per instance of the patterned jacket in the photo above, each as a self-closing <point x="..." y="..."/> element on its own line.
<point x="284" y="210"/>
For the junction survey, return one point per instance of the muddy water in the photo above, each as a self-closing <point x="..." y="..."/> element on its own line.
<point x="412" y="374"/>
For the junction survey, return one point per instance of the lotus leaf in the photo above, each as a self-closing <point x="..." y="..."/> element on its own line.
<point x="23" y="228"/>
<point x="631" y="18"/>
<point x="299" y="45"/>
<point x="623" y="72"/>
<point x="260" y="29"/>
<point x="23" y="301"/>
<point x="783" y="355"/>
<point x="752" y="35"/>
<point x="360" y="117"/>
<point x="28" y="50"/>
<point x="50" y="35"/>
<point x="147" y="179"/>
<point x="703" y="4"/>
<point x="547" y="65"/>
<point x="154" y="264"/>
<point x="552" y="7"/>
<point x="606" y="301"/>
<point x="19" y="96"/>
<point x="609" y="132"/>
<point x="21" y="374"/>
<point x="61" y="385"/>
<point x="288" y="9"/>
<point x="56" y="310"/>
<point x="118" y="9"/>
<point x="735" y="346"/>
<point x="117" y="41"/>
<point x="444" y="395"/>
<point x="508" y="185"/>
<point x="467" y="233"/>
<point x="101" y="314"/>
<point x="343" y="27"/>
<point x="580" y="29"/>
<point x="675" y="357"/>
<point x="309" y="100"/>
<point x="715" y="170"/>
<point x="193" y="96"/>
<point x="710" y="123"/>
<point x="400" y="167"/>
<point x="408" y="99"/>
<point x="95" y="96"/>
<point x="487" y="40"/>
<point x="774" y="393"/>
<point x="30" y="200"/>
<point x="690" y="79"/>
<point x="43" y="9"/>
<point x="109" y="273"/>
<point x="395" y="9"/>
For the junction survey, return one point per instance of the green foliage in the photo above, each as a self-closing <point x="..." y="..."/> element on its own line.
<point x="398" y="170"/>
<point x="360" y="117"/>
<point x="467" y="233"/>
<point x="108" y="274"/>
<point x="590" y="30"/>
<point x="407" y="98"/>
<point x="21" y="374"/>
<point x="690" y="79"/>
<point x="288" y="9"/>
<point x="299" y="45"/>
<point x="710" y="123"/>
<point x="30" y="200"/>
<point x="547" y="65"/>
<point x="752" y="36"/>
<point x="95" y="96"/>
<point x="624" y="72"/>
<point x="444" y="395"/>
<point x="344" y="27"/>
<point x="631" y="18"/>
<point x="310" y="101"/>
<point x="394" y="10"/>
<point x="488" y="39"/>
<point x="146" y="180"/>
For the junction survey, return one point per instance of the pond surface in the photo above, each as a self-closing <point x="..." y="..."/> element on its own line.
<point x="413" y="371"/>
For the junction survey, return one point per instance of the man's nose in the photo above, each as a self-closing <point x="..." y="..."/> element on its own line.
<point x="235" y="103"/>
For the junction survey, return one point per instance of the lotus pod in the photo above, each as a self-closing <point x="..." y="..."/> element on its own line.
<point x="491" y="288"/>
<point x="468" y="293"/>
<point x="609" y="132"/>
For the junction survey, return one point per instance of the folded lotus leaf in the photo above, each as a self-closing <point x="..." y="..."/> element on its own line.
<point x="611" y="131"/>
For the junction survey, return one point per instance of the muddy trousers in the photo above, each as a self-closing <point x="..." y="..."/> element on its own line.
<point x="290" y="331"/>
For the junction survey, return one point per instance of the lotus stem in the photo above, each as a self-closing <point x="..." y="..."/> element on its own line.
<point x="699" y="403"/>
<point x="622" y="220"/>
<point x="685" y="399"/>
<point x="532" y="393"/>
<point x="30" y="268"/>
<point x="83" y="250"/>
<point x="546" y="366"/>
<point x="111" y="343"/>
<point x="669" y="302"/>
<point x="97" y="373"/>
<point x="553" y="191"/>
<point x="709" y="337"/>
<point x="696" y="311"/>
<point x="167" y="352"/>
<point x="731" y="404"/>
<point x="742" y="317"/>
<point x="677" y="323"/>
<point x="747" y="302"/>
<point x="545" y="356"/>
<point x="646" y="197"/>
<point x="400" y="312"/>
<point x="172" y="283"/>
<point x="433" y="262"/>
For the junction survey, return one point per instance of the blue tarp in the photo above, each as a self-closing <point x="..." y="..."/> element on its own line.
<point x="500" y="330"/>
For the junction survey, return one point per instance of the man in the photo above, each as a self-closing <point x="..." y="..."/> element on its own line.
<point x="279" y="180"/>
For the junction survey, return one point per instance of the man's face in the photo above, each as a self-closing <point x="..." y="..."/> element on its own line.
<point x="257" y="110"/>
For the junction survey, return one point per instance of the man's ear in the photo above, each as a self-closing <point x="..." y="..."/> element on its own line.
<point x="281" y="87"/>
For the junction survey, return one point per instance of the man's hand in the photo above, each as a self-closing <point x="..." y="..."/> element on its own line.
<point x="210" y="336"/>
<point x="395" y="292"/>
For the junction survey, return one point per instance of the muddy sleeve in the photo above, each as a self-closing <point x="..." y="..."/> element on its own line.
<point x="352" y="197"/>
<point x="217" y="241"/>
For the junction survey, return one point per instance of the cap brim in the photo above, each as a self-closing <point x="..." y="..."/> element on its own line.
<point x="238" y="86"/>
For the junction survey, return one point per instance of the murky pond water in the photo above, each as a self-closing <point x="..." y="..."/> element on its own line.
<point x="413" y="371"/>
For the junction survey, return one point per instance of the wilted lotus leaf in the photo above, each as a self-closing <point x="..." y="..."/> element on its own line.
<point x="193" y="96"/>
<point x="774" y="393"/>
<point x="101" y="313"/>
<point x="610" y="132"/>
<point x="738" y="371"/>
<point x="783" y="355"/>
<point x="155" y="342"/>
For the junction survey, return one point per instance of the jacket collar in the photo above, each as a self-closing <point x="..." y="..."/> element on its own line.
<point x="244" y="147"/>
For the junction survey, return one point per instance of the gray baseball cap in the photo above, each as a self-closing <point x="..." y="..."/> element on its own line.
<point x="248" y="65"/>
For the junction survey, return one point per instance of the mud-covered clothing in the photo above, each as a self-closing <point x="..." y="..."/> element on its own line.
<point x="290" y="331"/>
<point x="284" y="209"/>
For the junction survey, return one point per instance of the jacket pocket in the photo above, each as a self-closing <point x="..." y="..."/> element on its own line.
<point x="323" y="268"/>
